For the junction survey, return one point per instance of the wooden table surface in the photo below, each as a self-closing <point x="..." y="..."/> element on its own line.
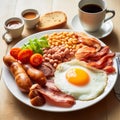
<point x="13" y="109"/>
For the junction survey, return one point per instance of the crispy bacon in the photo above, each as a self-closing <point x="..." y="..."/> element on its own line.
<point x="54" y="96"/>
<point x="109" y="69"/>
<point x="102" y="62"/>
<point x="101" y="59"/>
<point x="98" y="55"/>
<point x="89" y="41"/>
<point x="84" y="53"/>
<point x="50" y="85"/>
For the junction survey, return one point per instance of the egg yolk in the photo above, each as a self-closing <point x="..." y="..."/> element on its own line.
<point x="77" y="76"/>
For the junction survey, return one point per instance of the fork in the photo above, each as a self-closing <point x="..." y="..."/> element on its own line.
<point x="117" y="84"/>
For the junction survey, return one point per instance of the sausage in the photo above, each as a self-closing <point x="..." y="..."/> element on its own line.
<point x="22" y="79"/>
<point x="35" y="74"/>
<point x="37" y="101"/>
<point x="36" y="98"/>
<point x="8" y="60"/>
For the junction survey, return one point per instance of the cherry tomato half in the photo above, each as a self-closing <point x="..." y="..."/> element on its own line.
<point x="36" y="59"/>
<point x="24" y="55"/>
<point x="14" y="52"/>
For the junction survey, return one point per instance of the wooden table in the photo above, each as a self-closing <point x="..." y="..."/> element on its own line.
<point x="13" y="109"/>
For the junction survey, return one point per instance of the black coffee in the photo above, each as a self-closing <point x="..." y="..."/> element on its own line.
<point x="91" y="8"/>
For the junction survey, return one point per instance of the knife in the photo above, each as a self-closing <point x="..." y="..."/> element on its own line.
<point x="117" y="84"/>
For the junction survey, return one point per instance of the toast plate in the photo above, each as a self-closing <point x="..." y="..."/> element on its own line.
<point x="11" y="85"/>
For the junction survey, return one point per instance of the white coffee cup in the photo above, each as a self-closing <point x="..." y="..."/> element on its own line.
<point x="92" y="14"/>
<point x="14" y="28"/>
<point x="31" y="18"/>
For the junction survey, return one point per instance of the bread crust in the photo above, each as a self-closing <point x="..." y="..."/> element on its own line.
<point x="47" y="21"/>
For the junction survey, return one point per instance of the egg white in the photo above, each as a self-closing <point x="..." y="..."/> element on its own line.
<point x="96" y="85"/>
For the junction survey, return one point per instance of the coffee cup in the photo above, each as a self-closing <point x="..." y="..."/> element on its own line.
<point x="93" y="13"/>
<point x="31" y="18"/>
<point x="14" y="28"/>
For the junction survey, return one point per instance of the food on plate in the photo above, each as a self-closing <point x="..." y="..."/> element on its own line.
<point x="102" y="52"/>
<point x="14" y="52"/>
<point x="8" y="60"/>
<point x="61" y="67"/>
<point x="101" y="59"/>
<point x="57" y="54"/>
<point x="69" y="39"/>
<point x="22" y="79"/>
<point x="84" y="47"/>
<point x="101" y="63"/>
<point x="27" y="56"/>
<point x="36" y="98"/>
<point x="54" y="96"/>
<point x="89" y="41"/>
<point x="36" y="59"/>
<point x="52" y="20"/>
<point x="24" y="55"/>
<point x="79" y="80"/>
<point x="109" y="69"/>
<point x="37" y="44"/>
<point x="36" y="75"/>
<point x="47" y="69"/>
<point x="85" y="52"/>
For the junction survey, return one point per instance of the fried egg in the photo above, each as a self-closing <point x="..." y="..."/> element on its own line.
<point x="79" y="80"/>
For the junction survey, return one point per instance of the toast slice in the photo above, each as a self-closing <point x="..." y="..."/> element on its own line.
<point x="52" y="20"/>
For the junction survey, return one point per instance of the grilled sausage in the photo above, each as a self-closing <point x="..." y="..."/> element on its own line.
<point x="36" y="75"/>
<point x="36" y="98"/>
<point x="22" y="79"/>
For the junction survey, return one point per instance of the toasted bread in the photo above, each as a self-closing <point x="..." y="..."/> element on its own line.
<point x="52" y="20"/>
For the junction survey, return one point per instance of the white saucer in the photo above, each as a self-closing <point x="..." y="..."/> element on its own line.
<point x="104" y="31"/>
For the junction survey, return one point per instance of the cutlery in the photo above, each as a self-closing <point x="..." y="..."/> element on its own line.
<point x="117" y="84"/>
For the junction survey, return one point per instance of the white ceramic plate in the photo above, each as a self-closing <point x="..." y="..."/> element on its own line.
<point x="11" y="85"/>
<point x="104" y="31"/>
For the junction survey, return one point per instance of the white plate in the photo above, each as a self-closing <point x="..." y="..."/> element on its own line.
<point x="11" y="85"/>
<point x="104" y="31"/>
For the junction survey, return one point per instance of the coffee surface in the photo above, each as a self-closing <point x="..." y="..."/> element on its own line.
<point x="91" y="8"/>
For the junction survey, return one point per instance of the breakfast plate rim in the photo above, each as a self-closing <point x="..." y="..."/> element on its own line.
<point x="79" y="104"/>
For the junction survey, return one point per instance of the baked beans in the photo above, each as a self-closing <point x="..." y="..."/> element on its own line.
<point x="68" y="39"/>
<point x="57" y="54"/>
<point x="63" y="46"/>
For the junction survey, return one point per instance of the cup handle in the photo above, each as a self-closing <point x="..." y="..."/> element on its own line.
<point x="112" y="14"/>
<point x="7" y="39"/>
